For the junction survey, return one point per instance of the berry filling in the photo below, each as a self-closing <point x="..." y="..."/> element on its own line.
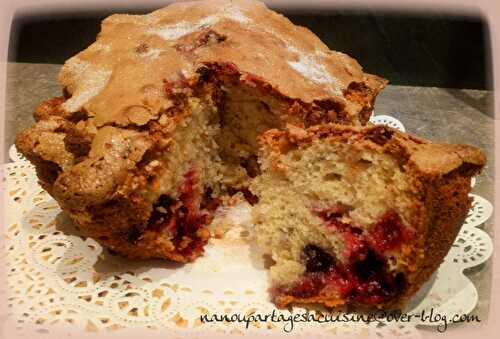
<point x="182" y="218"/>
<point x="364" y="276"/>
<point x="389" y="233"/>
<point x="309" y="286"/>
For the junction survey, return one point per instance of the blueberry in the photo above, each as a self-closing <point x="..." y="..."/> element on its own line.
<point x="371" y="266"/>
<point x="133" y="235"/>
<point x="400" y="281"/>
<point x="317" y="260"/>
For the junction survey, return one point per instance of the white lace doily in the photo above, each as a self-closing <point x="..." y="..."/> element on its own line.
<point x="55" y="276"/>
<point x="387" y="120"/>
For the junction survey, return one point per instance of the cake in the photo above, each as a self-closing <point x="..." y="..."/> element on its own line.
<point x="159" y="118"/>
<point x="357" y="215"/>
<point x="170" y="113"/>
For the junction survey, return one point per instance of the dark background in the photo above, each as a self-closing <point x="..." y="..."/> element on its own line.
<point x="419" y="49"/>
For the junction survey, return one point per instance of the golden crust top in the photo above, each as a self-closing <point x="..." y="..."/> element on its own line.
<point x="431" y="159"/>
<point x="443" y="158"/>
<point x="120" y="78"/>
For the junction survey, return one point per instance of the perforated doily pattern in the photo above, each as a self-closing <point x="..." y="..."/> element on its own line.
<point x="387" y="120"/>
<point x="57" y="276"/>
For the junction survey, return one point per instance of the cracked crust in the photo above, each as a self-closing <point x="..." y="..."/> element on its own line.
<point x="431" y="159"/>
<point x="120" y="78"/>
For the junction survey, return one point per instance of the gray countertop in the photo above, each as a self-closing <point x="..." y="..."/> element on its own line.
<point x="449" y="115"/>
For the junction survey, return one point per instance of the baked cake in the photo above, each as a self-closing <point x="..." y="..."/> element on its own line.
<point x="358" y="215"/>
<point x="159" y="122"/>
<point x="160" y="117"/>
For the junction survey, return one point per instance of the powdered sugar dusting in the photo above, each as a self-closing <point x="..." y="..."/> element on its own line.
<point x="99" y="47"/>
<point x="310" y="67"/>
<point x="175" y="31"/>
<point x="152" y="53"/>
<point x="234" y="13"/>
<point x="90" y="82"/>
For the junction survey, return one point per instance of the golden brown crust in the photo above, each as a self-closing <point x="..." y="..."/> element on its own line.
<point x="51" y="107"/>
<point x="121" y="76"/>
<point x="328" y="301"/>
<point x="440" y="175"/>
<point x="447" y="202"/>
<point x="440" y="159"/>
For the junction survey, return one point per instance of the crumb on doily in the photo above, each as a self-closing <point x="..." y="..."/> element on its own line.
<point x="219" y="231"/>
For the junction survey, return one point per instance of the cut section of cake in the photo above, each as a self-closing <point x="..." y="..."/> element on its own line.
<point x="357" y="215"/>
<point x="159" y="118"/>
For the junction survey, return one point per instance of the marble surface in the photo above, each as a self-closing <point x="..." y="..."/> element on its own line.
<point x="449" y="115"/>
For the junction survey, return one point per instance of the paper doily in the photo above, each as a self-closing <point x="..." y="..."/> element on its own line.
<point x="56" y="276"/>
<point x="387" y="120"/>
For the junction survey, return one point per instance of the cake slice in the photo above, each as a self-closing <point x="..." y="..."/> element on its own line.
<point x="355" y="215"/>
